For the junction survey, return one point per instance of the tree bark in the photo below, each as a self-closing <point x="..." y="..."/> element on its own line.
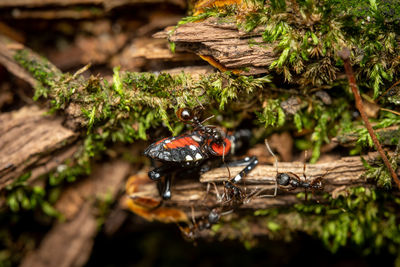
<point x="338" y="175"/>
<point x="32" y="141"/>
<point x="223" y="43"/>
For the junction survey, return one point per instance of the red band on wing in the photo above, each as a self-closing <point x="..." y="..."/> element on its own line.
<point x="159" y="141"/>
<point x="182" y="142"/>
<point x="219" y="149"/>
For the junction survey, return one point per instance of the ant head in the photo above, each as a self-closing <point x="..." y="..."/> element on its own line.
<point x="229" y="185"/>
<point x="318" y="183"/>
<point x="283" y="179"/>
<point x="217" y="137"/>
<point x="218" y="145"/>
<point x="213" y="216"/>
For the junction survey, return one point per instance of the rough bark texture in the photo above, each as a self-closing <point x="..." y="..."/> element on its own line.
<point x="30" y="140"/>
<point x="110" y="4"/>
<point x="143" y="50"/>
<point x="7" y="51"/>
<point x="70" y="243"/>
<point x="76" y="9"/>
<point x="337" y="176"/>
<point x="225" y="44"/>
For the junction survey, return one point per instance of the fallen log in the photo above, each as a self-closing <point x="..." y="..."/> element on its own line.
<point x="338" y="175"/>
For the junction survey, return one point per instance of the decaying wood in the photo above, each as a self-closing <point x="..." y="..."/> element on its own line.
<point x="145" y="50"/>
<point x="224" y="43"/>
<point x="337" y="175"/>
<point x="71" y="13"/>
<point x="7" y="51"/>
<point x="70" y="243"/>
<point x="30" y="140"/>
<point x="107" y="4"/>
<point x="76" y="9"/>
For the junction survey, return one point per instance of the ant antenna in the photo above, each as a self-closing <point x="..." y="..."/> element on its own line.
<point x="276" y="165"/>
<point x="273" y="155"/>
<point x="223" y="160"/>
<point x="201" y="105"/>
<point x="209" y="118"/>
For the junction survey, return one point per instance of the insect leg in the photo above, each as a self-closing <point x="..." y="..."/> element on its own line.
<point x="161" y="171"/>
<point x="240" y="162"/>
<point x="252" y="163"/>
<point x="166" y="193"/>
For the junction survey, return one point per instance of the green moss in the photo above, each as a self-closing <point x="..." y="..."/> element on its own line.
<point x="363" y="219"/>
<point x="307" y="36"/>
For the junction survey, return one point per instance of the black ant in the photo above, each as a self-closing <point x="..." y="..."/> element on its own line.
<point x="193" y="231"/>
<point x="237" y="196"/>
<point x="291" y="181"/>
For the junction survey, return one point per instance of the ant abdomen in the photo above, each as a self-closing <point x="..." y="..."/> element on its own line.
<point x="283" y="179"/>
<point x="184" y="114"/>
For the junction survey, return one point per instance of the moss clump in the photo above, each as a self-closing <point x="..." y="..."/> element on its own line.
<point x="364" y="218"/>
<point x="307" y="36"/>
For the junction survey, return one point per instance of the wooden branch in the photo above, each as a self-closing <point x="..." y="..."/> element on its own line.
<point x="30" y="140"/>
<point x="225" y="44"/>
<point x="342" y="174"/>
<point x="70" y="243"/>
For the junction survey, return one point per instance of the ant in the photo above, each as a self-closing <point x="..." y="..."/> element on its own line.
<point x="291" y="181"/>
<point x="234" y="194"/>
<point x="193" y="231"/>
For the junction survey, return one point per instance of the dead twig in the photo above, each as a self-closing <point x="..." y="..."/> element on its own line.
<point x="345" y="55"/>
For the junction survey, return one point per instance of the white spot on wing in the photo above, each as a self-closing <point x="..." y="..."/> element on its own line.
<point x="198" y="156"/>
<point x="188" y="158"/>
<point x="167" y="141"/>
<point x="196" y="138"/>
<point x="192" y="147"/>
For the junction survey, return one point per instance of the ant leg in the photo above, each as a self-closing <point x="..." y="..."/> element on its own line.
<point x="253" y="162"/>
<point x="240" y="162"/>
<point x="219" y="198"/>
<point x="304" y="175"/>
<point x="166" y="194"/>
<point x="258" y="194"/>
<point x="305" y="181"/>
<point x="207" y="191"/>
<point x="235" y="193"/>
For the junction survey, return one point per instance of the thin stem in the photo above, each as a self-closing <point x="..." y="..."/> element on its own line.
<point x="345" y="55"/>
